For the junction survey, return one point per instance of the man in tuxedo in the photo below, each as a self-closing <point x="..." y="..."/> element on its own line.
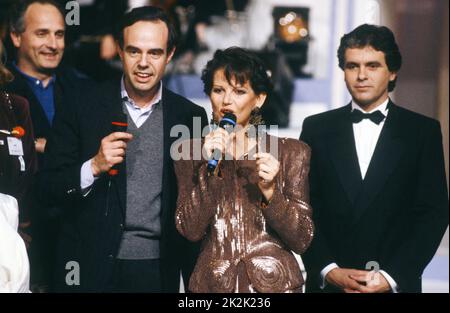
<point x="377" y="179"/>
<point x="118" y="232"/>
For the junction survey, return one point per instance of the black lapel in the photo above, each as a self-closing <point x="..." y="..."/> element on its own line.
<point x="58" y="96"/>
<point x="58" y="91"/>
<point x="172" y="115"/>
<point x="343" y="154"/>
<point x="386" y="156"/>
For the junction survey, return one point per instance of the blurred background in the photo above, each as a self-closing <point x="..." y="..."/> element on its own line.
<point x="298" y="40"/>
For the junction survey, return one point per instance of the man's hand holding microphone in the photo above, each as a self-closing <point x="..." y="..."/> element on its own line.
<point x="112" y="150"/>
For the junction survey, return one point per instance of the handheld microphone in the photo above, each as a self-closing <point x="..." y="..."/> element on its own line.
<point x="228" y="122"/>
<point x="117" y="127"/>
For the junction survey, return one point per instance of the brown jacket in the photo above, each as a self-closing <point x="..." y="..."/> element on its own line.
<point x="246" y="245"/>
<point x="14" y="180"/>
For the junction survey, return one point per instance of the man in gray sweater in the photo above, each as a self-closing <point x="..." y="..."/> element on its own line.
<point x="118" y="231"/>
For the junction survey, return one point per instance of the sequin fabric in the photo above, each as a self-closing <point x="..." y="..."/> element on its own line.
<point x="246" y="244"/>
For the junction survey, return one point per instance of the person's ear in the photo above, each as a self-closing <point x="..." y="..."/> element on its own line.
<point x="261" y="98"/>
<point x="170" y="55"/>
<point x="16" y="39"/>
<point x="119" y="50"/>
<point x="392" y="76"/>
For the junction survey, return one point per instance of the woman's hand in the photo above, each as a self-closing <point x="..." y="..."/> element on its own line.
<point x="216" y="140"/>
<point x="268" y="168"/>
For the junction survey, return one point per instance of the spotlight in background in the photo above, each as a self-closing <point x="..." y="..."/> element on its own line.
<point x="292" y="28"/>
<point x="292" y="36"/>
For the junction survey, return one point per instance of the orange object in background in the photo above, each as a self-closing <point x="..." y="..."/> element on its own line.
<point x="18" y="132"/>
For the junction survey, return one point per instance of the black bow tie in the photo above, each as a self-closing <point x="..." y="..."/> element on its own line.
<point x="357" y="116"/>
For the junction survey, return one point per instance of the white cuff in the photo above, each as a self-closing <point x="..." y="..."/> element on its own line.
<point x="86" y="178"/>
<point x="324" y="272"/>
<point x="391" y="281"/>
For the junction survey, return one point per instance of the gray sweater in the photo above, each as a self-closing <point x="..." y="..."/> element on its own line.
<point x="142" y="228"/>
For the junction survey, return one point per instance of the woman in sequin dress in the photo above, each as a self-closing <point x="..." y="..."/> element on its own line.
<point x="253" y="211"/>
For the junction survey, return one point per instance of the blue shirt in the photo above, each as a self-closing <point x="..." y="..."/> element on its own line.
<point x="43" y="94"/>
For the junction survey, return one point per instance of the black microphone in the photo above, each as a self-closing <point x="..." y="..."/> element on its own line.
<point x="117" y="126"/>
<point x="228" y="122"/>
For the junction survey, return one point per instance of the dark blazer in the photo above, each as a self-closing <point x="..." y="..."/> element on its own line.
<point x="92" y="225"/>
<point x="396" y="216"/>
<point x="68" y="81"/>
<point x="44" y="224"/>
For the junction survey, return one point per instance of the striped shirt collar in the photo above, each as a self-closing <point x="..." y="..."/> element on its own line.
<point x="128" y="100"/>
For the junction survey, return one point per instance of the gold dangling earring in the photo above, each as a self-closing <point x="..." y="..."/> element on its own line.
<point x="256" y="118"/>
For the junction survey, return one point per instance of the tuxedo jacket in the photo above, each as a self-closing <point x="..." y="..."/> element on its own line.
<point x="92" y="225"/>
<point x="396" y="216"/>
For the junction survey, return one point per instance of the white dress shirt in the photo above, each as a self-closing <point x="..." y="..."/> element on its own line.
<point x="366" y="135"/>
<point x="137" y="114"/>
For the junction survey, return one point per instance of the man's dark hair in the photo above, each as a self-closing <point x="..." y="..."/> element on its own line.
<point x="18" y="10"/>
<point x="150" y="14"/>
<point x="238" y="64"/>
<point x="379" y="38"/>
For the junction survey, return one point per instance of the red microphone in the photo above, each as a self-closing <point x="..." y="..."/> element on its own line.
<point x="117" y="127"/>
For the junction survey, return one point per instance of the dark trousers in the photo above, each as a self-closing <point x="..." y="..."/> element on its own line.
<point x="42" y="254"/>
<point x="136" y="276"/>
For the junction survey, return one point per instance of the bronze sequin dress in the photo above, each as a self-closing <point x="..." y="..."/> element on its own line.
<point x="246" y="243"/>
